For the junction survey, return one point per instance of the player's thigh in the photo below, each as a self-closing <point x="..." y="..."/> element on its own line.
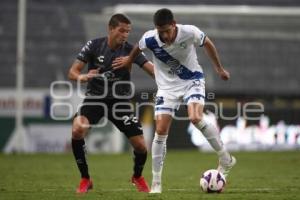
<point x="195" y="112"/>
<point x="194" y="97"/>
<point x="167" y="102"/>
<point x="123" y="117"/>
<point x="163" y="123"/>
<point x="89" y="113"/>
<point x="93" y="110"/>
<point x="195" y="92"/>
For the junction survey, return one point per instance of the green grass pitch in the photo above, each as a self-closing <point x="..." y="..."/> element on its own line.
<point x="257" y="175"/>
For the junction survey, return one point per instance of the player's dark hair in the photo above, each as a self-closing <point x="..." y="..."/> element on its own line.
<point x="163" y="17"/>
<point x="118" y="18"/>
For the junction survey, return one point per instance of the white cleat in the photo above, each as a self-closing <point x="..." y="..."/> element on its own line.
<point x="155" y="188"/>
<point x="225" y="168"/>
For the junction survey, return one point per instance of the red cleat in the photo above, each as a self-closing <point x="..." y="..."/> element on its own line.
<point x="141" y="184"/>
<point x="84" y="186"/>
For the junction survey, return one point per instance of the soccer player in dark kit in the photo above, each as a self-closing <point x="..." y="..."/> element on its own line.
<point x="108" y="91"/>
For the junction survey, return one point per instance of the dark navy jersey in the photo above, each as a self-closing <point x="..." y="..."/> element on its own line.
<point x="98" y="55"/>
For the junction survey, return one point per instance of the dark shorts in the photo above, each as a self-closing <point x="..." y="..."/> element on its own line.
<point x="119" y="112"/>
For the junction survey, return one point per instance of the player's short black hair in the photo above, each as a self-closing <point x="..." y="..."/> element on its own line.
<point x="118" y="18"/>
<point x="163" y="17"/>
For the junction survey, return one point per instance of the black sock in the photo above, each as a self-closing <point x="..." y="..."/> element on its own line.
<point x="139" y="162"/>
<point x="78" y="147"/>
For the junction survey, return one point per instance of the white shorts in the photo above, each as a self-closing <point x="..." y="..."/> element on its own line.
<point x="168" y="101"/>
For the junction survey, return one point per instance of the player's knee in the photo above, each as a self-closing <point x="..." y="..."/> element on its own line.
<point x="161" y="130"/>
<point x="78" y="132"/>
<point x="140" y="147"/>
<point x="195" y="119"/>
<point x="80" y="127"/>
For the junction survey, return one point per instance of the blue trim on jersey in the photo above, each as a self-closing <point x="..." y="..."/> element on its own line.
<point x="198" y="96"/>
<point x="203" y="42"/>
<point x="163" y="108"/>
<point x="180" y="70"/>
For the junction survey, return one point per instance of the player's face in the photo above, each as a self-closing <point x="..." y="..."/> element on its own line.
<point x="120" y="33"/>
<point x="167" y="33"/>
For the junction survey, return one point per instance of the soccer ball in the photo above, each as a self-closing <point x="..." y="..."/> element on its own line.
<point x="212" y="181"/>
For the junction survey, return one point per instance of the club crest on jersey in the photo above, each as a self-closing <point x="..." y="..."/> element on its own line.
<point x="183" y="45"/>
<point x="100" y="59"/>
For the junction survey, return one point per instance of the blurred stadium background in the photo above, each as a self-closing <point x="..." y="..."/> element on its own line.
<point x="258" y="41"/>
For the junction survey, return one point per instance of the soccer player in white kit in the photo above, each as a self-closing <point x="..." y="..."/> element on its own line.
<point x="179" y="78"/>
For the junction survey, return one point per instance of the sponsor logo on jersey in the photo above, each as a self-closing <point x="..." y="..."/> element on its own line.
<point x="109" y="75"/>
<point x="157" y="50"/>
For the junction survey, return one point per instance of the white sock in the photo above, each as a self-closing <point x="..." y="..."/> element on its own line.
<point x="212" y="135"/>
<point x="159" y="150"/>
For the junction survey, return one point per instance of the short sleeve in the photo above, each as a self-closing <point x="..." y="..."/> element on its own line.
<point x="199" y="36"/>
<point x="86" y="52"/>
<point x="142" y="42"/>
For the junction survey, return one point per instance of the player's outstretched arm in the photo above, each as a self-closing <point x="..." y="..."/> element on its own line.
<point x="212" y="53"/>
<point x="75" y="72"/>
<point x="127" y="62"/>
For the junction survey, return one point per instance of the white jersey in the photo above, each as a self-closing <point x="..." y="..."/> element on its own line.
<point x="177" y="63"/>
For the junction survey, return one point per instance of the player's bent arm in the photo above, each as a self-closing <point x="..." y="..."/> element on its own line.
<point x="148" y="67"/>
<point x="134" y="53"/>
<point x="75" y="72"/>
<point x="212" y="53"/>
<point x="117" y="64"/>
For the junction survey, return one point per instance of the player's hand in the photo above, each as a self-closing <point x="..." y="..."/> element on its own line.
<point x="224" y="74"/>
<point x="91" y="74"/>
<point x="121" y="62"/>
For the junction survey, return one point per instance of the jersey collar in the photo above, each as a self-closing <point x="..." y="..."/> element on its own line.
<point x="160" y="43"/>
